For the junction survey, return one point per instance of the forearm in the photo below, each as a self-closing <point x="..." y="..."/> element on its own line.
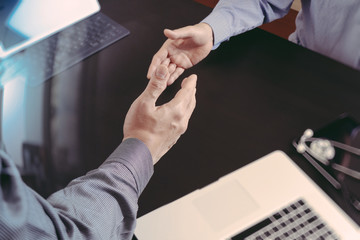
<point x="233" y="17"/>
<point x="100" y="205"/>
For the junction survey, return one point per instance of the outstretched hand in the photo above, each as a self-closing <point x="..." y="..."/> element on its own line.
<point x="184" y="48"/>
<point x="159" y="127"/>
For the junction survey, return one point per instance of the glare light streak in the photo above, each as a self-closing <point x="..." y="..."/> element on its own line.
<point x="13" y="123"/>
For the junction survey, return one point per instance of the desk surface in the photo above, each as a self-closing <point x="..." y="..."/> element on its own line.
<point x="256" y="93"/>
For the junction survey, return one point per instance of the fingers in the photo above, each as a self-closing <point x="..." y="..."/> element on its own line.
<point x="174" y="71"/>
<point x="171" y="66"/>
<point x="157" y="59"/>
<point x="178" y="71"/>
<point x="157" y="84"/>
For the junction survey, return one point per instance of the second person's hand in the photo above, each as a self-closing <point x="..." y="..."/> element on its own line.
<point x="184" y="48"/>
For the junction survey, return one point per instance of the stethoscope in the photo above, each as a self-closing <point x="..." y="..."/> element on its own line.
<point x="323" y="150"/>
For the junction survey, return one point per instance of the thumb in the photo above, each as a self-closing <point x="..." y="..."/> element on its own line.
<point x="157" y="83"/>
<point x="184" y="32"/>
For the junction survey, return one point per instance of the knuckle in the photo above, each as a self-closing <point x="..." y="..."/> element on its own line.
<point x="178" y="112"/>
<point x="179" y="127"/>
<point x="183" y="127"/>
<point x="180" y="122"/>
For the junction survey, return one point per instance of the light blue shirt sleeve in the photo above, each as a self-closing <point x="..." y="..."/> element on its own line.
<point x="233" y="17"/>
<point x="329" y="27"/>
<point x="100" y="205"/>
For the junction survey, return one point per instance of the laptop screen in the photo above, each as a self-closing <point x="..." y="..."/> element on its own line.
<point x="24" y="22"/>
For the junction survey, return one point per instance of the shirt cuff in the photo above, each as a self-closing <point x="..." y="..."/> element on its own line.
<point x="135" y="155"/>
<point x="219" y="26"/>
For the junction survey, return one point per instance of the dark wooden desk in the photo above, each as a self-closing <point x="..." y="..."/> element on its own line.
<point x="256" y="93"/>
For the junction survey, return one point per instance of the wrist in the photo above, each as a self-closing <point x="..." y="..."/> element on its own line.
<point x="148" y="141"/>
<point x="208" y="31"/>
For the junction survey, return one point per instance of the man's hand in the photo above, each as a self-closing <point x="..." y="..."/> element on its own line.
<point x="184" y="48"/>
<point x="159" y="127"/>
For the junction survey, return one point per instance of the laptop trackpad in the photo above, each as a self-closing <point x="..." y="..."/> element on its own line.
<point x="225" y="204"/>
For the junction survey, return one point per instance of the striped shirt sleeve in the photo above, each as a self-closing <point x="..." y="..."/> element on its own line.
<point x="99" y="205"/>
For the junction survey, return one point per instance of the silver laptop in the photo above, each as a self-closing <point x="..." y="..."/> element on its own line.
<point x="25" y="22"/>
<point x="270" y="198"/>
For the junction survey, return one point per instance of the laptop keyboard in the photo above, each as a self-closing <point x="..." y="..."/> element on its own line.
<point x="296" y="221"/>
<point x="62" y="50"/>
